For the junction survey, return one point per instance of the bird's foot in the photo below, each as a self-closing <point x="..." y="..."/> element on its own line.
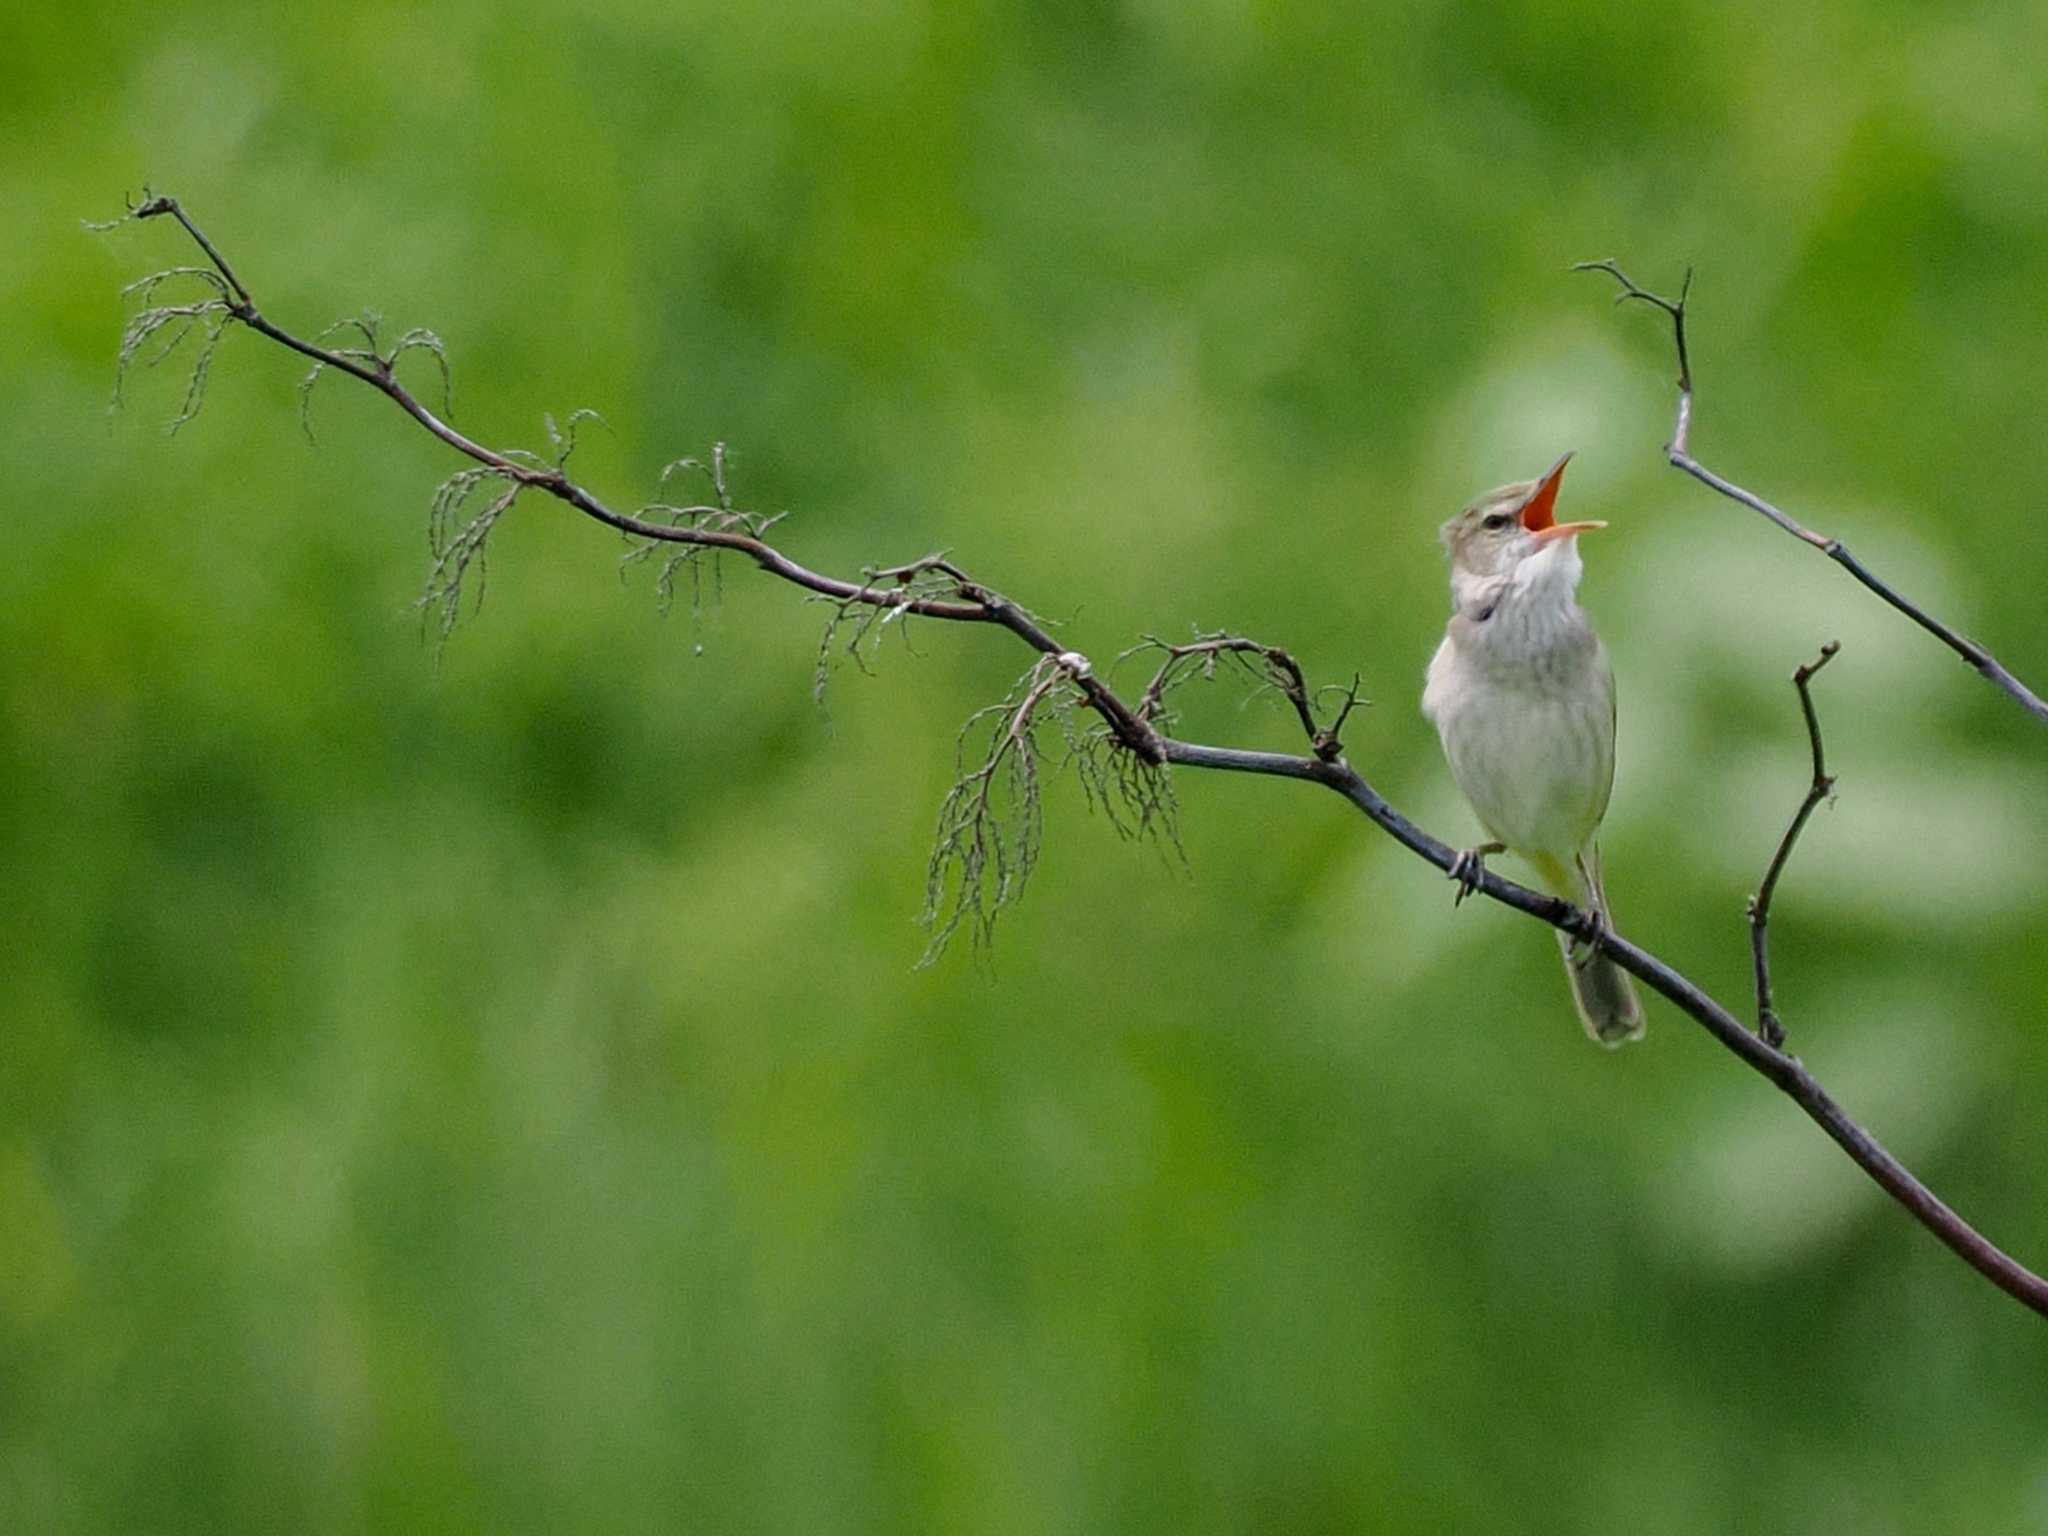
<point x="1586" y="931"/>
<point x="1467" y="868"/>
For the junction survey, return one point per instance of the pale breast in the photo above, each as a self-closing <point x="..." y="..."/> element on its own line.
<point x="1528" y="729"/>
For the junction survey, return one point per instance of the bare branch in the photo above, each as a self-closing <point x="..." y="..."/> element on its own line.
<point x="991" y="822"/>
<point x="1677" y="454"/>
<point x="1767" y="1023"/>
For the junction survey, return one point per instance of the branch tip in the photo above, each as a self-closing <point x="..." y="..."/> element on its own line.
<point x="1674" y="308"/>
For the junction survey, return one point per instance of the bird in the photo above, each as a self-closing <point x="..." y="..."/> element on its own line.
<point x="1522" y="697"/>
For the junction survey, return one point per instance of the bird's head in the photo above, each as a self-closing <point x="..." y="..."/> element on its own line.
<point x="1508" y="525"/>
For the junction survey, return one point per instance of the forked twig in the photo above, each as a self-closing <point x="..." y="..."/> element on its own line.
<point x="1277" y="669"/>
<point x="1767" y="1023"/>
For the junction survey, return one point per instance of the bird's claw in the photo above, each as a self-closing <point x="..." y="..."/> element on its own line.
<point x="1469" y="868"/>
<point x="1588" y="929"/>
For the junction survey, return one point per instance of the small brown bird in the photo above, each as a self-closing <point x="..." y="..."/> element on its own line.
<point x="1523" y="699"/>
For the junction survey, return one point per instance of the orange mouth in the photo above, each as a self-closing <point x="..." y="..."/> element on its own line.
<point x="1538" y="513"/>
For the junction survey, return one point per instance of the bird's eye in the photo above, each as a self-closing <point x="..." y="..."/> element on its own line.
<point x="1494" y="521"/>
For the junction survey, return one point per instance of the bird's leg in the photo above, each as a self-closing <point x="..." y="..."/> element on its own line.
<point x="1586" y="934"/>
<point x="1468" y="866"/>
<point x="1592" y="925"/>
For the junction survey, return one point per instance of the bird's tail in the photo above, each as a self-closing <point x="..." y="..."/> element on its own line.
<point x="1606" y="998"/>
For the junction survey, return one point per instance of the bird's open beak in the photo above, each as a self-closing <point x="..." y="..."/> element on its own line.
<point x="1538" y="512"/>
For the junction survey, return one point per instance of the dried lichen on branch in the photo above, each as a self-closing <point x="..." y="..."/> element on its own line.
<point x="456" y="542"/>
<point x="366" y="325"/>
<point x="991" y="824"/>
<point x="1268" y="667"/>
<point x="888" y="597"/>
<point x="151" y="319"/>
<point x="720" y="516"/>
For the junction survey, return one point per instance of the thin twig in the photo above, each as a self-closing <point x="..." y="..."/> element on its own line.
<point x="1326" y="743"/>
<point x="1679" y="456"/>
<point x="1132" y="732"/>
<point x="1767" y="1023"/>
<point x="1281" y="672"/>
<point x="1675" y="308"/>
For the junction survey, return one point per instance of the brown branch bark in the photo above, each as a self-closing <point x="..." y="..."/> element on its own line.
<point x="1133" y="730"/>
<point x="1679" y="455"/>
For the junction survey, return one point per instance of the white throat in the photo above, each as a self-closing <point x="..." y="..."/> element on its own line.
<point x="1543" y="583"/>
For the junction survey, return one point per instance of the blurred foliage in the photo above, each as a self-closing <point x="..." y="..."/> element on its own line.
<point x="497" y="1097"/>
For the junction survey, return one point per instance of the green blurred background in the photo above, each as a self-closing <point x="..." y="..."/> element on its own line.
<point x="498" y="1097"/>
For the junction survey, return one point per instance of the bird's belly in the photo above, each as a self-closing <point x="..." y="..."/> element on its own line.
<point x="1536" y="765"/>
